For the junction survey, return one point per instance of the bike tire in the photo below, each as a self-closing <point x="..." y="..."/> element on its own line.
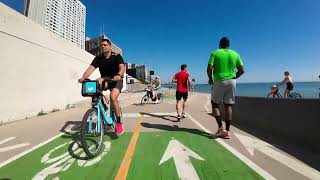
<point x="91" y="150"/>
<point x="270" y="95"/>
<point x="145" y="99"/>
<point x="295" y="95"/>
<point x="160" y="98"/>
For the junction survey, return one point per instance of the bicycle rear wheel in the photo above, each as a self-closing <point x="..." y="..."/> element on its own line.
<point x="295" y="95"/>
<point x="92" y="133"/>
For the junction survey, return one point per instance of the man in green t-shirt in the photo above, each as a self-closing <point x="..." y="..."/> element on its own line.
<point x="225" y="66"/>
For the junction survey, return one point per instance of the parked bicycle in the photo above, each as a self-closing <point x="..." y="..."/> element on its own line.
<point x="98" y="119"/>
<point x="275" y="93"/>
<point x="149" y="96"/>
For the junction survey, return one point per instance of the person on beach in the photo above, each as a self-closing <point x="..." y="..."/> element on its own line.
<point x="287" y="80"/>
<point x="224" y="67"/>
<point x="183" y="81"/>
<point x="111" y="66"/>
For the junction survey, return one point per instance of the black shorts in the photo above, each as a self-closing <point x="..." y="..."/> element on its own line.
<point x="180" y="95"/>
<point x="111" y="85"/>
<point x="289" y="86"/>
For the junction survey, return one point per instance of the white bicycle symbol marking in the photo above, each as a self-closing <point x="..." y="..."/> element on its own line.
<point x="63" y="162"/>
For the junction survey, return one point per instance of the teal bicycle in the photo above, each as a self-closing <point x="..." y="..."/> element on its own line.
<point x="100" y="118"/>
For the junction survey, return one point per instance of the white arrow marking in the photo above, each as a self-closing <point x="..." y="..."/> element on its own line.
<point x="6" y="140"/>
<point x="180" y="155"/>
<point x="8" y="148"/>
<point x="5" y="149"/>
<point x="253" y="144"/>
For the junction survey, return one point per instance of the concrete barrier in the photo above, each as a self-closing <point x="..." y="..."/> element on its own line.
<point x="39" y="69"/>
<point x="294" y="120"/>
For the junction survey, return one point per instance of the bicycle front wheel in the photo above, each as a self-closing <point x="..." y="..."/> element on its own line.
<point x="160" y="98"/>
<point x="145" y="99"/>
<point x="92" y="133"/>
<point x="271" y="95"/>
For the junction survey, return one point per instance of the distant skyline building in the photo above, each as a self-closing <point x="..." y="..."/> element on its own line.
<point x="93" y="45"/>
<point x="67" y="18"/>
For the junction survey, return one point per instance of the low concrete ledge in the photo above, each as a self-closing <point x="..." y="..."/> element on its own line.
<point x="294" y="120"/>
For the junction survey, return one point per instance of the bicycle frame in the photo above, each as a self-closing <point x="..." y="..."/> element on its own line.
<point x="108" y="119"/>
<point x="277" y="92"/>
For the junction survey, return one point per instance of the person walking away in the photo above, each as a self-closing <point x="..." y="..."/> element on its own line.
<point x="183" y="81"/>
<point x="224" y="67"/>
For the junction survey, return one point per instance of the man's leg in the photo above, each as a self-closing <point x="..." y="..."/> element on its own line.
<point x="216" y="114"/>
<point x="286" y="93"/>
<point x="184" y="105"/>
<point x="114" y="101"/>
<point x="117" y="110"/>
<point x="100" y="80"/>
<point x="185" y="97"/>
<point x="216" y="99"/>
<point x="178" y="107"/>
<point x="178" y="98"/>
<point x="228" y="100"/>
<point x="228" y="115"/>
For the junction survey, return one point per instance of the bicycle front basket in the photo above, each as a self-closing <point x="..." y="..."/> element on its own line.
<point x="90" y="88"/>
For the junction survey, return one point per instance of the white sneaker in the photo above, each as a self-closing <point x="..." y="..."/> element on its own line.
<point x="219" y="130"/>
<point x="224" y="134"/>
<point x="157" y="101"/>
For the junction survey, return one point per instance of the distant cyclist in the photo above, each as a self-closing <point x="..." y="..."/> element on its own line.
<point x="155" y="85"/>
<point x="287" y="80"/>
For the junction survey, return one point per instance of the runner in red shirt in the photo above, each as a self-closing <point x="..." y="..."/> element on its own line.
<point x="183" y="81"/>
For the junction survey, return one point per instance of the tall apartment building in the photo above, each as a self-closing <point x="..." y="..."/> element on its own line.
<point x="93" y="46"/>
<point x="64" y="17"/>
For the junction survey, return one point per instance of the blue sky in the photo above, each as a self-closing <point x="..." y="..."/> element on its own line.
<point x="270" y="35"/>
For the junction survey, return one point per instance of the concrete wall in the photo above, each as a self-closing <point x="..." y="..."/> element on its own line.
<point x="295" y="120"/>
<point x="39" y="69"/>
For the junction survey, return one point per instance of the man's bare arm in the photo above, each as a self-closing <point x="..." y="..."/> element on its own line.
<point x="87" y="73"/>
<point x="122" y="69"/>
<point x="209" y="73"/>
<point x="240" y="71"/>
<point x="174" y="80"/>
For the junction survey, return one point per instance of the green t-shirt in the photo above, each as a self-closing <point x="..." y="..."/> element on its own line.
<point x="224" y="63"/>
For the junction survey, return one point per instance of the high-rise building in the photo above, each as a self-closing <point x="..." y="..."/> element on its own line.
<point x="64" y="17"/>
<point x="93" y="46"/>
<point x="143" y="74"/>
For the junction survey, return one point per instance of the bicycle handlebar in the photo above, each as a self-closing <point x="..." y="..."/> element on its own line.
<point x="104" y="79"/>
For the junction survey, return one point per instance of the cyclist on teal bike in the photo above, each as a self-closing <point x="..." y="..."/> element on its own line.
<point x="111" y="66"/>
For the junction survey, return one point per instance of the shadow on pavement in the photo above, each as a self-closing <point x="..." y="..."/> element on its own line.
<point x="177" y="128"/>
<point x="137" y="104"/>
<point x="75" y="136"/>
<point x="76" y="127"/>
<point x="165" y="117"/>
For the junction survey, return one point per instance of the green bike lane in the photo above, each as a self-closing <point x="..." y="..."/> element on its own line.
<point x="64" y="159"/>
<point x="165" y="149"/>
